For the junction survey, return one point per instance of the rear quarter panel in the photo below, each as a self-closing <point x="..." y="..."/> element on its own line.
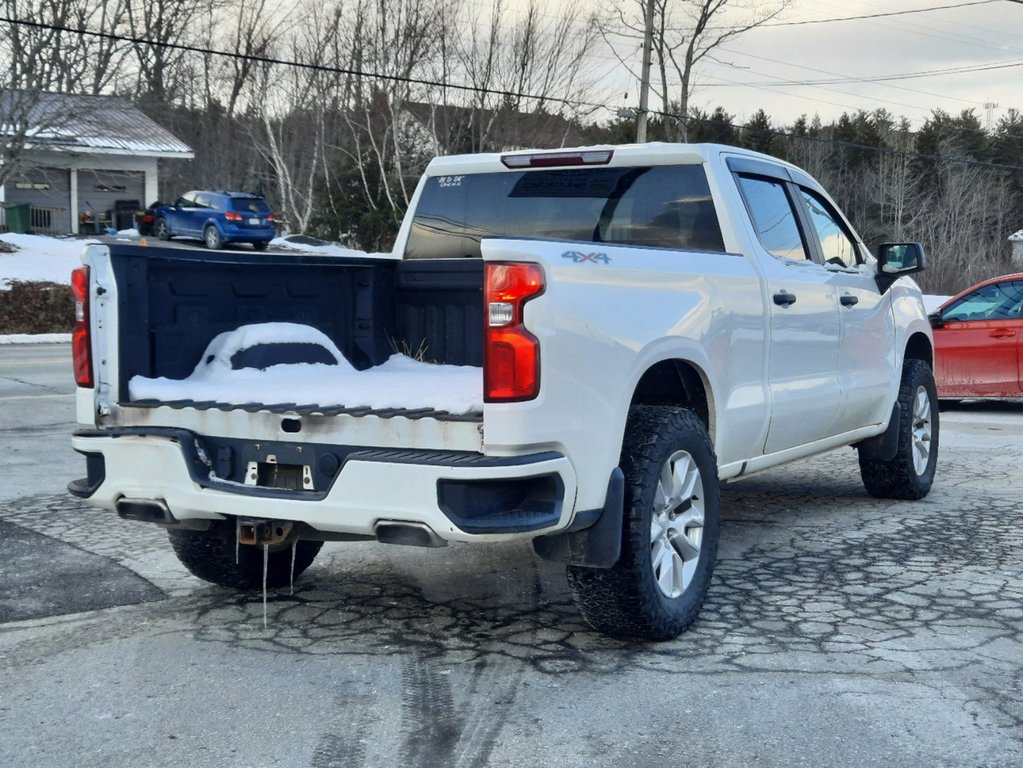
<point x="602" y="325"/>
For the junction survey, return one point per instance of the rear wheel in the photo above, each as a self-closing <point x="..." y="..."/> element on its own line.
<point x="910" y="474"/>
<point x="160" y="229"/>
<point x="260" y="245"/>
<point x="670" y="536"/>
<point x="211" y="555"/>
<point x="212" y="238"/>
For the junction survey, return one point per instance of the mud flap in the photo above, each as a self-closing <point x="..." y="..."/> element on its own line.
<point x="883" y="447"/>
<point x="599" y="543"/>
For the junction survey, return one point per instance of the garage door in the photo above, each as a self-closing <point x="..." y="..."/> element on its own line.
<point x="101" y="192"/>
<point x="48" y="191"/>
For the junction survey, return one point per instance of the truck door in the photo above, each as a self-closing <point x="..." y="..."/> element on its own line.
<point x="866" y="360"/>
<point x="802" y="307"/>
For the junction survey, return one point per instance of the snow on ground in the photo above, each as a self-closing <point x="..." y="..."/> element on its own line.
<point x="452" y="388"/>
<point x="931" y="303"/>
<point x="40" y="258"/>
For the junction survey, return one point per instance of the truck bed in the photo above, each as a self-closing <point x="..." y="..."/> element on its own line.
<point x="173" y="302"/>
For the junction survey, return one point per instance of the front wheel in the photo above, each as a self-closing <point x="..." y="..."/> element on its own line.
<point x="670" y="535"/>
<point x="213" y="555"/>
<point x="212" y="238"/>
<point x="910" y="473"/>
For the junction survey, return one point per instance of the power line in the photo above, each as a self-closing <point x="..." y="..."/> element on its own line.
<point x="881" y="15"/>
<point x="904" y="76"/>
<point x="478" y="89"/>
<point x="288" y="62"/>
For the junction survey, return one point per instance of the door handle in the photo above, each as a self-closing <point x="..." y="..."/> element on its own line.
<point x="848" y="300"/>
<point x="784" y="299"/>
<point x="1001" y="333"/>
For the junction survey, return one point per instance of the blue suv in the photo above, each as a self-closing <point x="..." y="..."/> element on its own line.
<point x="217" y="218"/>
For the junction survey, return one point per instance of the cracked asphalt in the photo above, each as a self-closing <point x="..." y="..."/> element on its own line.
<point x="839" y="631"/>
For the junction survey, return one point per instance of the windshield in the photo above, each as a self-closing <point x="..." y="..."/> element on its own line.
<point x="659" y="206"/>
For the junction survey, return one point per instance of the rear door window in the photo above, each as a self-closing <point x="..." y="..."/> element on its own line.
<point x="659" y="206"/>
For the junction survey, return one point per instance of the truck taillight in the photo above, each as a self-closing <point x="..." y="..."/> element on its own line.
<point x="81" y="341"/>
<point x="511" y="354"/>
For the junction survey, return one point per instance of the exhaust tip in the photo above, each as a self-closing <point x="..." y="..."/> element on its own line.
<point x="144" y="510"/>
<point x="408" y="534"/>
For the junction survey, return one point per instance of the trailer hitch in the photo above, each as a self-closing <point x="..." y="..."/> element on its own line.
<point x="264" y="532"/>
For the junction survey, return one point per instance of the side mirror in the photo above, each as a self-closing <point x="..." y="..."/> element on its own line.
<point x="897" y="259"/>
<point x="936" y="320"/>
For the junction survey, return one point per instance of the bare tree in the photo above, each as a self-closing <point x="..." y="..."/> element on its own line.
<point x="161" y="24"/>
<point x="685" y="32"/>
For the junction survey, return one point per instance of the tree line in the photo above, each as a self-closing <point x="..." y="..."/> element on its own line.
<point x="332" y="109"/>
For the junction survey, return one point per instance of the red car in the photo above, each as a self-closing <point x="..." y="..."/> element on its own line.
<point x="977" y="340"/>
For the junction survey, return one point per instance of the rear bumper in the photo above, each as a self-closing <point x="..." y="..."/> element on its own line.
<point x="461" y="496"/>
<point x="233" y="233"/>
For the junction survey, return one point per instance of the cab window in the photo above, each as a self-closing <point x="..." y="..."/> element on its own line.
<point x="837" y="247"/>
<point x="773" y="217"/>
<point x="653" y="206"/>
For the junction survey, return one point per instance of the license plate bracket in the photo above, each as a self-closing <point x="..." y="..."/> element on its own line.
<point x="271" y="474"/>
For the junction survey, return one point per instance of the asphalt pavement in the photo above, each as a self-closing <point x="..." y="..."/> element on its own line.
<point x="839" y="631"/>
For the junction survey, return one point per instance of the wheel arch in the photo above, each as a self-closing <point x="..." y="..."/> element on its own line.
<point x="919" y="347"/>
<point x="677" y="382"/>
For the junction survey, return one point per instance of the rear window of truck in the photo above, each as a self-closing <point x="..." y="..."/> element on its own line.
<point x="658" y="206"/>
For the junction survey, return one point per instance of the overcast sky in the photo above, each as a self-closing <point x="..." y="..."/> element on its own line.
<point x="974" y="35"/>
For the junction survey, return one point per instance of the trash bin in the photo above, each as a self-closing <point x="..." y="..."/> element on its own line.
<point x="18" y="218"/>
<point x="124" y="212"/>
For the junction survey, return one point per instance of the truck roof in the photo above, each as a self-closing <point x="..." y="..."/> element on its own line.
<point x="652" y="153"/>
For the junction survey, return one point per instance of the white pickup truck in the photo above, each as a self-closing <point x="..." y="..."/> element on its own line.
<point x="639" y="324"/>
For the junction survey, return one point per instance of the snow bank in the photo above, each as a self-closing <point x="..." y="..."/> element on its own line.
<point x="931" y="303"/>
<point x="321" y="248"/>
<point x="401" y="382"/>
<point x="36" y="338"/>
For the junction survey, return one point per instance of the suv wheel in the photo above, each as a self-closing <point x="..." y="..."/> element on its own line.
<point x="260" y="245"/>
<point x="212" y="238"/>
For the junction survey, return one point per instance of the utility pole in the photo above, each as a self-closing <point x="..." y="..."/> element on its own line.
<point x="644" y="81"/>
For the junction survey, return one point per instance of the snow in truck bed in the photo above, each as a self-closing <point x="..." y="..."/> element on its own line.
<point x="399" y="383"/>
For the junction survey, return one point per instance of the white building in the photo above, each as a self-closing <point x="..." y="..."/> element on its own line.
<point x="90" y="161"/>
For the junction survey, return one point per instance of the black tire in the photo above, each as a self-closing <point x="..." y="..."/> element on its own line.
<point x="911" y="473"/>
<point x="261" y="245"/>
<point x="211" y="236"/>
<point x="210" y="555"/>
<point x="161" y="230"/>
<point x="627" y="600"/>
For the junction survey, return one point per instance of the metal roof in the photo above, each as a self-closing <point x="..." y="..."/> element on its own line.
<point x="102" y="124"/>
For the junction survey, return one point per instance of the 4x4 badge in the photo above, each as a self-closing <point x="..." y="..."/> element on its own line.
<point x="581" y="258"/>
